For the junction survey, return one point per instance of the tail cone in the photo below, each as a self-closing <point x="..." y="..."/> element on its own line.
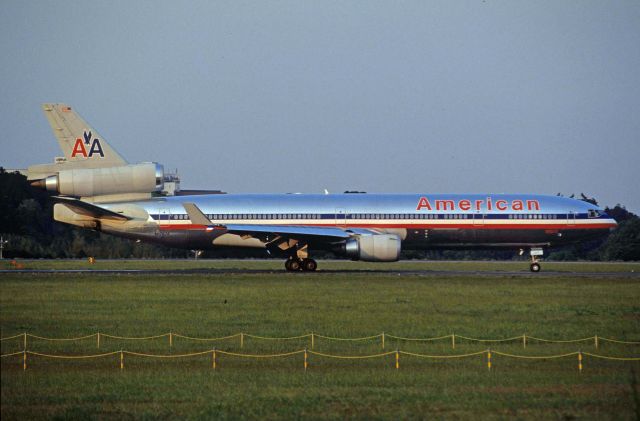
<point x="39" y="184"/>
<point x="50" y="183"/>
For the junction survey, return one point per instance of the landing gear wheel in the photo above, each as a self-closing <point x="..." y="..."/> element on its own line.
<point x="292" y="265"/>
<point x="535" y="267"/>
<point x="309" y="265"/>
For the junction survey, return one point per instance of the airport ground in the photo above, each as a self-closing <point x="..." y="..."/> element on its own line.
<point x="488" y="300"/>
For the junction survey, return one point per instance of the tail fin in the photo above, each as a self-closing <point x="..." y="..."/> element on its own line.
<point x="79" y="142"/>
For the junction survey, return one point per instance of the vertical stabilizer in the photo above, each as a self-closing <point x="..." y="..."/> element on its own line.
<point x="80" y="143"/>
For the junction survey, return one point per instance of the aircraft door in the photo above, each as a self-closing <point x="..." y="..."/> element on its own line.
<point x="571" y="218"/>
<point x="165" y="216"/>
<point x="478" y="219"/>
<point x="341" y="217"/>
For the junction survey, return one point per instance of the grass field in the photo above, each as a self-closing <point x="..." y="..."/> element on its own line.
<point x="342" y="265"/>
<point x="357" y="303"/>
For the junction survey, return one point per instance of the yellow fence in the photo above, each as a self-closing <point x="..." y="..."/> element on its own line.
<point x="214" y="356"/>
<point x="382" y="337"/>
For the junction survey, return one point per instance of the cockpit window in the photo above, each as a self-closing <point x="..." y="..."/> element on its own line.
<point x="593" y="213"/>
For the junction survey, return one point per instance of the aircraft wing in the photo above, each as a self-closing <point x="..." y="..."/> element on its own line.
<point x="89" y="209"/>
<point x="310" y="234"/>
<point x="269" y="233"/>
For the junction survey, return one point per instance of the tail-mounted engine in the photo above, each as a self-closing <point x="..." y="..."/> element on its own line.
<point x="87" y="182"/>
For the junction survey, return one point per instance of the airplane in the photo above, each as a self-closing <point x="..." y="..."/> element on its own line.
<point x="95" y="188"/>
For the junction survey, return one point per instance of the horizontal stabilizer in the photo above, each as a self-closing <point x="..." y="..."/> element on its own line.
<point x="89" y="209"/>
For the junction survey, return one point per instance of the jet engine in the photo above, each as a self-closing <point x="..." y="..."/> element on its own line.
<point x="86" y="182"/>
<point x="373" y="248"/>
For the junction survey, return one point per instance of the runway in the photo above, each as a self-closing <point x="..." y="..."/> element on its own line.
<point x="230" y="271"/>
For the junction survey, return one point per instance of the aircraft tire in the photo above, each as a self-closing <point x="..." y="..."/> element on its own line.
<point x="535" y="267"/>
<point x="293" y="265"/>
<point x="309" y="265"/>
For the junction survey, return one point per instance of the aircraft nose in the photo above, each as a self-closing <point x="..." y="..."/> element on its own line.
<point x="614" y="223"/>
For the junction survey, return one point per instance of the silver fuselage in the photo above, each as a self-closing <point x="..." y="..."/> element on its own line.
<point x="421" y="220"/>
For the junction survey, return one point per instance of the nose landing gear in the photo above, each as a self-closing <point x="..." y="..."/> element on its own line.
<point x="536" y="253"/>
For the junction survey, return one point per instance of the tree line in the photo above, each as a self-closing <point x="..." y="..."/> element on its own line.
<point x="26" y="223"/>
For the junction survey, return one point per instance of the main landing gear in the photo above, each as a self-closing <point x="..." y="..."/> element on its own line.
<point x="294" y="264"/>
<point x="535" y="253"/>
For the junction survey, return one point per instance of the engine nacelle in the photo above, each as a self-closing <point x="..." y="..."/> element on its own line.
<point x="87" y="182"/>
<point x="374" y="248"/>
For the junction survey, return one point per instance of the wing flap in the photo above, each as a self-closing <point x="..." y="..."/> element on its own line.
<point x="313" y="234"/>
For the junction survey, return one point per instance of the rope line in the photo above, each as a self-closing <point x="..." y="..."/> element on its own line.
<point x="11" y="355"/>
<point x="61" y="339"/>
<point x="619" y="342"/>
<point x="604" y="357"/>
<point x="268" y="338"/>
<point x="418" y="339"/>
<point x="351" y="357"/>
<point x="321" y="354"/>
<point x="286" y="354"/>
<point x="591" y="338"/>
<point x="316" y="335"/>
<point x="489" y="340"/>
<point x="141" y="354"/>
<point x="177" y="335"/>
<point x="365" y="338"/>
<point x="443" y="356"/>
<point x="134" y="338"/>
<point x="19" y="335"/>
<point x="73" y="357"/>
<point x="536" y="357"/>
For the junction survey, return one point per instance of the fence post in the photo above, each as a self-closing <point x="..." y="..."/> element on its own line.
<point x="306" y="364"/>
<point x="24" y="343"/>
<point x="596" y="341"/>
<point x="98" y="339"/>
<point x="121" y="360"/>
<point x="214" y="359"/>
<point x="489" y="359"/>
<point x="24" y="360"/>
<point x="453" y="340"/>
<point x="170" y="339"/>
<point x="580" y="361"/>
<point x="241" y="339"/>
<point x="524" y="340"/>
<point x="397" y="359"/>
<point x="312" y="340"/>
<point x="382" y="340"/>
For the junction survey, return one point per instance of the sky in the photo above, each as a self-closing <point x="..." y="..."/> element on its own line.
<point x="301" y="96"/>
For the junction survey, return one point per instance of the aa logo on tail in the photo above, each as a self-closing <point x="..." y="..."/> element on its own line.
<point x="80" y="148"/>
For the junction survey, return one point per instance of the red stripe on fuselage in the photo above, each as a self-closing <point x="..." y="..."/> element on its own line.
<point x="516" y="226"/>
